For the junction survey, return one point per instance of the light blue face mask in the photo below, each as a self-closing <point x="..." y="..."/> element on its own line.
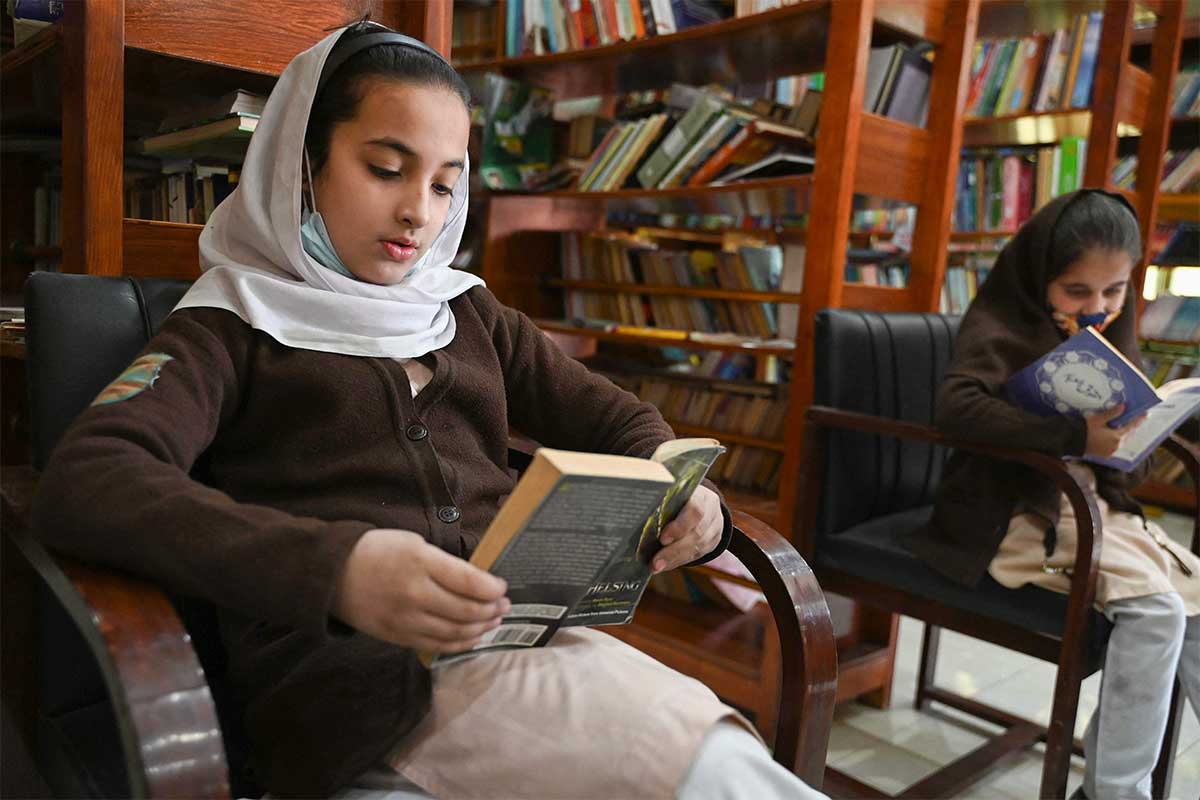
<point x="315" y="237"/>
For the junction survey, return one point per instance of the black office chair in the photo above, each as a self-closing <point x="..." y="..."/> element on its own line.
<point x="872" y="464"/>
<point x="133" y="699"/>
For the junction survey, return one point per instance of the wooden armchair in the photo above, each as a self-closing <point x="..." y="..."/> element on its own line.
<point x="871" y="466"/>
<point x="125" y="696"/>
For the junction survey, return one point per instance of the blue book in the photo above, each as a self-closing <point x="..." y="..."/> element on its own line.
<point x="1082" y="92"/>
<point x="44" y="10"/>
<point x="1085" y="375"/>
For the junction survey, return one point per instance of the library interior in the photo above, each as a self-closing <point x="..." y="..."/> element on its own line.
<point x="913" y="285"/>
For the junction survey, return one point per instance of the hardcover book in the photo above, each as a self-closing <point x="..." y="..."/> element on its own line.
<point x="576" y="538"/>
<point x="1085" y="375"/>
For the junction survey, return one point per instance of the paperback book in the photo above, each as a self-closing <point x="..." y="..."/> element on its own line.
<point x="1085" y="375"/>
<point x="575" y="539"/>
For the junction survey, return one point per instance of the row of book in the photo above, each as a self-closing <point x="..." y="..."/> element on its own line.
<point x="999" y="190"/>
<point x="1185" y="96"/>
<point x="728" y="408"/>
<point x="671" y="313"/>
<point x="962" y="283"/>
<point x="898" y="81"/>
<point x="1171" y="318"/>
<point x="880" y="271"/>
<point x="749" y="468"/>
<point x="184" y="191"/>
<point x="1180" y="172"/>
<point x="700" y="138"/>
<point x="1035" y="73"/>
<point x="538" y="27"/>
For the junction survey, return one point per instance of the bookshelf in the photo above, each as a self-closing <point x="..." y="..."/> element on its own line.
<point x="123" y="64"/>
<point x="857" y="153"/>
<point x="1139" y="56"/>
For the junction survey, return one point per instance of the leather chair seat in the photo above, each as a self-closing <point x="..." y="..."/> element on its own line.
<point x="873" y="550"/>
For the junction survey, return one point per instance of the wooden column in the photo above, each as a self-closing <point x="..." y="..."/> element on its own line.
<point x="829" y="214"/>
<point x="93" y="97"/>
<point x="1111" y="81"/>
<point x="432" y="21"/>
<point x="948" y="95"/>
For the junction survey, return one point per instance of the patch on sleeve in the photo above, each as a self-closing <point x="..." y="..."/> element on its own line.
<point x="137" y="378"/>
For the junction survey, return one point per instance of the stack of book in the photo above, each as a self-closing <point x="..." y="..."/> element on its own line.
<point x="1035" y="73"/>
<point x="998" y="190"/>
<point x="700" y="138"/>
<point x="539" y="27"/>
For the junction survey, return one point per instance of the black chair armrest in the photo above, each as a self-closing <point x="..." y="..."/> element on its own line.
<point x="808" y="649"/>
<point x="166" y="718"/>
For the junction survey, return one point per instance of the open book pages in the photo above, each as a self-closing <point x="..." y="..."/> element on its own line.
<point x="575" y="539"/>
<point x="1180" y="400"/>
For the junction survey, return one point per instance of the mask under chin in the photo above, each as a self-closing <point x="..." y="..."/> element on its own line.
<point x="1072" y="324"/>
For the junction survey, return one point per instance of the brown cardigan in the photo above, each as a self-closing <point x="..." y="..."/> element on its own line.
<point x="300" y="453"/>
<point x="1006" y="328"/>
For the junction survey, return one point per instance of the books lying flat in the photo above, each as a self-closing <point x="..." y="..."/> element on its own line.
<point x="232" y="132"/>
<point x="576" y="537"/>
<point x="239" y="102"/>
<point x="1085" y="374"/>
<point x="776" y="165"/>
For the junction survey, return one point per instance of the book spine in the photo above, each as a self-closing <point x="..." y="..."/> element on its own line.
<point x="1079" y="32"/>
<point x="1087" y="61"/>
<point x="1010" y="198"/>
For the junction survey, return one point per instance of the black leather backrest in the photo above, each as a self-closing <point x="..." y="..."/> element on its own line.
<point x="887" y="365"/>
<point x="82" y="331"/>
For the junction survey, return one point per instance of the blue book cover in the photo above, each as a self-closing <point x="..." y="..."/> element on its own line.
<point x="1082" y="92"/>
<point x="1085" y="374"/>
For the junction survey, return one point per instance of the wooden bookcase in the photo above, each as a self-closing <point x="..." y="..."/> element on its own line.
<point x="1130" y="112"/>
<point x="856" y="153"/>
<point x="118" y="65"/>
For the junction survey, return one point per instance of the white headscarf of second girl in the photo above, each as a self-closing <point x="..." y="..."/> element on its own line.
<point x="254" y="264"/>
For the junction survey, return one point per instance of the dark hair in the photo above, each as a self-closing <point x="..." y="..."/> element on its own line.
<point x="1093" y="221"/>
<point x="338" y="100"/>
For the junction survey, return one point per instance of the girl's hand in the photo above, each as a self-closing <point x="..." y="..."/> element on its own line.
<point x="1103" y="441"/>
<point x="692" y="534"/>
<point x="399" y="588"/>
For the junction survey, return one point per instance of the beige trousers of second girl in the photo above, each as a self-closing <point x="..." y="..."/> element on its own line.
<point x="1136" y="559"/>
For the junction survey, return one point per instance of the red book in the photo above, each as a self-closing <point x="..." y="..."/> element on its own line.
<point x="1026" y="189"/>
<point x="1012" y="192"/>
<point x="587" y="20"/>
<point x="980" y="80"/>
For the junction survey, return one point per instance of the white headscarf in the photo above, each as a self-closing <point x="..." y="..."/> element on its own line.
<point x="254" y="265"/>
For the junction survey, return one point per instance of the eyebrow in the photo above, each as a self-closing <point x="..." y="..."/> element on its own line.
<point x="403" y="149"/>
<point x="1113" y="285"/>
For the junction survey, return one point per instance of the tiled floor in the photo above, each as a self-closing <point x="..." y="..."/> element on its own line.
<point x="892" y="749"/>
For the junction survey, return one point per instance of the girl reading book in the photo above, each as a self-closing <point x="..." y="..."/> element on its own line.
<point x="1067" y="268"/>
<point x="316" y="440"/>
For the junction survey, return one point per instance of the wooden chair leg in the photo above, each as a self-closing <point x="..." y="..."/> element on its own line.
<point x="1164" y="770"/>
<point x="929" y="654"/>
<point x="1060" y="734"/>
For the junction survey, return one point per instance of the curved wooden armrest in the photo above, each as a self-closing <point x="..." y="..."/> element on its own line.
<point x="1189" y="454"/>
<point x="1087" y="515"/>
<point x="165" y="714"/>
<point x="807" y="645"/>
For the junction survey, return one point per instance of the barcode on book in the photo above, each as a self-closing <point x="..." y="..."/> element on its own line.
<point x="537" y="610"/>
<point x="508" y="635"/>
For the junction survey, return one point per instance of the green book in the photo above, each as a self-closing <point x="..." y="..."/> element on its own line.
<point x="690" y="126"/>
<point x="1070" y="173"/>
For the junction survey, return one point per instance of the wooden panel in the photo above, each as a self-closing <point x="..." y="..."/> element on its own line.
<point x="879" y="298"/>
<point x="1180" y="498"/>
<point x="259" y="37"/>
<point x="1025" y="129"/>
<point x="1133" y="103"/>
<point x="161" y="249"/>
<point x="93" y="137"/>
<point x="948" y="95"/>
<point x="432" y="21"/>
<point x="785" y="41"/>
<point x="893" y="159"/>
<point x="924" y="21"/>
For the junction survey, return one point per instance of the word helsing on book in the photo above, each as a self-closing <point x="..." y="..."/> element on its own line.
<point x="575" y="539"/>
<point x="1086" y="375"/>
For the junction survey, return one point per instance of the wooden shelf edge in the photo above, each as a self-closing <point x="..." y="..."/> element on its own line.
<point x="725" y="437"/>
<point x="636" y="47"/>
<point x="12" y="350"/>
<point x="41" y="42"/>
<point x="157" y="249"/>
<point x="740" y="295"/>
<point x="1179" y="207"/>
<point x="1179" y="498"/>
<point x="795" y="182"/>
<point x="660" y="341"/>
